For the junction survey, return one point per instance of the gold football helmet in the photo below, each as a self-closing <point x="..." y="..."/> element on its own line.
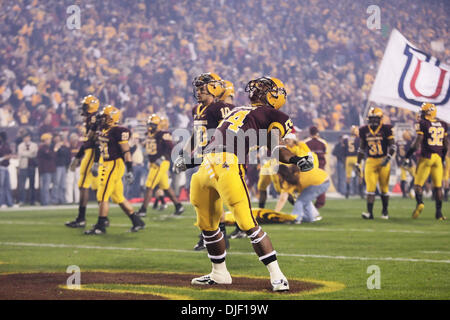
<point x="212" y="82"/>
<point x="89" y="105"/>
<point x="268" y="90"/>
<point x="354" y="130"/>
<point x="229" y="90"/>
<point x="375" y="117"/>
<point x="110" y="115"/>
<point x="153" y="123"/>
<point x="428" y="111"/>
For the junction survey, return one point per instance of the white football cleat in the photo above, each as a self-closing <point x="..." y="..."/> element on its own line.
<point x="280" y="285"/>
<point x="213" y="278"/>
<point x="366" y="215"/>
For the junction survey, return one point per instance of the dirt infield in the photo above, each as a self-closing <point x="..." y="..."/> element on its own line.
<point x="47" y="286"/>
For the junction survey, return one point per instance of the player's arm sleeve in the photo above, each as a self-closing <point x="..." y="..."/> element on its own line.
<point x="361" y="149"/>
<point x="96" y="152"/>
<point x="392" y="147"/>
<point x="122" y="137"/>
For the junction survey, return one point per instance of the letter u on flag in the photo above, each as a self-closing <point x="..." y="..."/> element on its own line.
<point x="408" y="76"/>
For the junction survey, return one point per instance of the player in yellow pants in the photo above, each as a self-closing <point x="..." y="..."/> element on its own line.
<point x="432" y="139"/>
<point x="88" y="160"/>
<point x="377" y="141"/>
<point x="158" y="147"/>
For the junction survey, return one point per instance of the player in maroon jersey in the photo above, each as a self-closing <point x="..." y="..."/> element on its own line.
<point x="433" y="143"/>
<point x="210" y="91"/>
<point x="221" y="177"/>
<point x="113" y="145"/>
<point x="158" y="146"/>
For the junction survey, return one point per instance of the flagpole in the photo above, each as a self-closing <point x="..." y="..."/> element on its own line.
<point x="366" y="110"/>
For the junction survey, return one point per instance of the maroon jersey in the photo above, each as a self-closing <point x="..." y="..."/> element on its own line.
<point x="90" y="135"/>
<point x="158" y="145"/>
<point x="376" y="143"/>
<point x="206" y="120"/>
<point x="319" y="146"/>
<point x="434" y="133"/>
<point x="110" y="141"/>
<point x="242" y="129"/>
<point x="351" y="145"/>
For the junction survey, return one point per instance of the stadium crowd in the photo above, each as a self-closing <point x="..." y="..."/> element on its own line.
<point x="141" y="56"/>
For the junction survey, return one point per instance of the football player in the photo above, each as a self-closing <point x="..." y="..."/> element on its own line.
<point x="87" y="158"/>
<point x="210" y="91"/>
<point x="115" y="150"/>
<point x="221" y="178"/>
<point x="309" y="185"/>
<point x="158" y="146"/>
<point x="298" y="148"/>
<point x="403" y="146"/>
<point x="432" y="140"/>
<point x="351" y="144"/>
<point x="377" y="141"/>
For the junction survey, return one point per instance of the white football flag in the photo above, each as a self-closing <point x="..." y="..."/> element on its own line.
<point x="407" y="77"/>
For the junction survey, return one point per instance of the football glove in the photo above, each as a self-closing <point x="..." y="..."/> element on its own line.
<point x="306" y="163"/>
<point x="129" y="177"/>
<point x="74" y="164"/>
<point x="94" y="169"/>
<point x="179" y="165"/>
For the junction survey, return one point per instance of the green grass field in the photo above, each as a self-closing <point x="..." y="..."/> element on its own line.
<point x="413" y="256"/>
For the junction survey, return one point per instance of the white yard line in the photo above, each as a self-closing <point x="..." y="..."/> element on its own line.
<point x="319" y="256"/>
<point x="437" y="252"/>
<point x="272" y="227"/>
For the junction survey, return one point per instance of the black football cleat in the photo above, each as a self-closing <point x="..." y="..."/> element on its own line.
<point x="76" y="224"/>
<point x="179" y="209"/>
<point x="96" y="230"/>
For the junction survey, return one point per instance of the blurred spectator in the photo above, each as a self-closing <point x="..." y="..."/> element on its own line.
<point x="72" y="190"/>
<point x="46" y="159"/>
<point x="319" y="146"/>
<point x="27" y="153"/>
<point x="144" y="53"/>
<point x="339" y="153"/>
<point x="139" y="169"/>
<point x="62" y="161"/>
<point x="6" y="198"/>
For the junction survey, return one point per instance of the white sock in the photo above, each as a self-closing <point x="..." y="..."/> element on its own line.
<point x="219" y="267"/>
<point x="275" y="271"/>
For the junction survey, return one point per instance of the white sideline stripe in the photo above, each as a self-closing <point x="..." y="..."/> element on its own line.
<point x="299" y="228"/>
<point x="283" y="228"/>
<point x="57" y="224"/>
<point x="320" y="256"/>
